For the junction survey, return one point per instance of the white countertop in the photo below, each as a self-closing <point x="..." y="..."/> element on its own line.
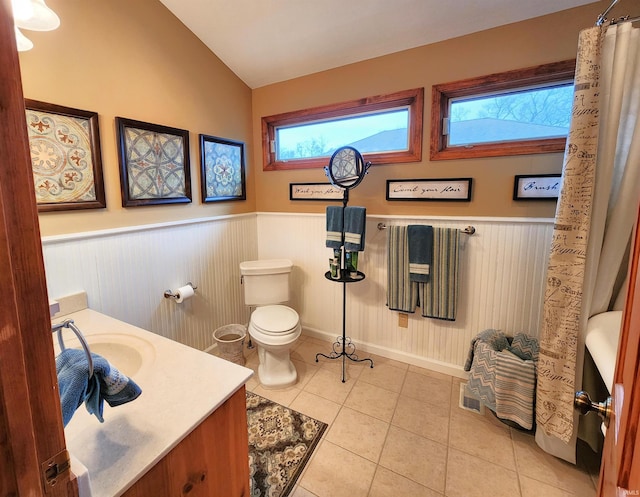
<point x="181" y="386"/>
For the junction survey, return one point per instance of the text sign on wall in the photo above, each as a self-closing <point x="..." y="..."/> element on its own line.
<point x="457" y="189"/>
<point x="315" y="191"/>
<point x="541" y="187"/>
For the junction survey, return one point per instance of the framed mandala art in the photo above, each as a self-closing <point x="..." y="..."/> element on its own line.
<point x="154" y="163"/>
<point x="222" y="163"/>
<point x="65" y="157"/>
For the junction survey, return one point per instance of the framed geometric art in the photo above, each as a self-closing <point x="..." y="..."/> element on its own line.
<point x="222" y="166"/>
<point x="154" y="163"/>
<point x="65" y="157"/>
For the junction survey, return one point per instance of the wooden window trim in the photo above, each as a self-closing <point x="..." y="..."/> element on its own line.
<point x="413" y="98"/>
<point x="441" y="95"/>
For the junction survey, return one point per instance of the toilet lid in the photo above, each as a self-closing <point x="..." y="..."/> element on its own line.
<point x="275" y="319"/>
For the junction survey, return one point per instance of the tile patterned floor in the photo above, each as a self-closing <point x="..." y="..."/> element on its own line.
<point x="397" y="430"/>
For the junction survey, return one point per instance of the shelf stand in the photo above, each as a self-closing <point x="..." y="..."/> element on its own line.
<point x="343" y="347"/>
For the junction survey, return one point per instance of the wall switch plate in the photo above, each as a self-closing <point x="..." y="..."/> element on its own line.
<point x="403" y="320"/>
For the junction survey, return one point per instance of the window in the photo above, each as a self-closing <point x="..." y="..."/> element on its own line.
<point x="512" y="113"/>
<point x="384" y="128"/>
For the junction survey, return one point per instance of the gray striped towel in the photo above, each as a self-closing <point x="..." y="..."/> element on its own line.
<point x="438" y="297"/>
<point x="402" y="294"/>
<point x="515" y="387"/>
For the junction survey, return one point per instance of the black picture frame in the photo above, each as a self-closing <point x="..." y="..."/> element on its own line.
<point x="321" y="192"/>
<point x="222" y="168"/>
<point x="430" y="190"/>
<point x="536" y="186"/>
<point x="154" y="163"/>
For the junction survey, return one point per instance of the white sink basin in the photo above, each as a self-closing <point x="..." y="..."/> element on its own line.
<point x="129" y="354"/>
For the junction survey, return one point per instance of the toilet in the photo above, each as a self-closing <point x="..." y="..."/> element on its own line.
<point x="273" y="327"/>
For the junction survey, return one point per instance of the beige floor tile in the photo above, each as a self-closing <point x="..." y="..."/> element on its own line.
<point x="379" y="360"/>
<point x="327" y="384"/>
<point x="426" y="420"/>
<point x="429" y="372"/>
<point x="305" y="372"/>
<point x="481" y="439"/>
<point x="535" y="488"/>
<point x="469" y="476"/>
<point x="353" y="370"/>
<point x="428" y="389"/>
<point x="283" y="396"/>
<point x="316" y="407"/>
<point x="385" y="376"/>
<point x="359" y="433"/>
<point x="336" y="472"/>
<point x="387" y="484"/>
<point x="416" y="458"/>
<point x="372" y="400"/>
<point x="306" y="351"/>
<point x="533" y="462"/>
<point x="301" y="492"/>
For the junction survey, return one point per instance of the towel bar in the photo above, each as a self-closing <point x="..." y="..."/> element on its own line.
<point x="69" y="324"/>
<point x="469" y="230"/>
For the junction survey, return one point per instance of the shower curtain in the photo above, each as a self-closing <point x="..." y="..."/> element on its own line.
<point x="594" y="219"/>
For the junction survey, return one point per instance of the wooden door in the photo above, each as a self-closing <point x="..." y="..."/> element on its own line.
<point x="31" y="431"/>
<point x="620" y="471"/>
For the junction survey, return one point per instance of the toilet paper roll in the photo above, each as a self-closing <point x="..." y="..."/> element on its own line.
<point x="183" y="293"/>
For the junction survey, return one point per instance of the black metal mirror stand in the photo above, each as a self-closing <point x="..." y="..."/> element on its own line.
<point x="343" y="347"/>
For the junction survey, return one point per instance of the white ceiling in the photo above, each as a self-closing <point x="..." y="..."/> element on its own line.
<point x="267" y="41"/>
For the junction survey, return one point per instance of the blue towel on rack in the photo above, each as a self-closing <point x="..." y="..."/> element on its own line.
<point x="355" y="220"/>
<point x="107" y="384"/>
<point x="402" y="293"/>
<point x="420" y="251"/>
<point x="439" y="296"/>
<point x="334" y="227"/>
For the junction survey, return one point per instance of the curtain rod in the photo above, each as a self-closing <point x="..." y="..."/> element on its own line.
<point x="603" y="17"/>
<point x="620" y="20"/>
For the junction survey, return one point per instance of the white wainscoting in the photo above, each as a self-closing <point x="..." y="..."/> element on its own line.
<point x="502" y="275"/>
<point x="126" y="271"/>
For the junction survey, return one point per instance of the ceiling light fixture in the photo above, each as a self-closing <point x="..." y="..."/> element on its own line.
<point x="33" y="15"/>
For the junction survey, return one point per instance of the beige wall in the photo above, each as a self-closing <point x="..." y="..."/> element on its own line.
<point x="134" y="59"/>
<point x="538" y="41"/>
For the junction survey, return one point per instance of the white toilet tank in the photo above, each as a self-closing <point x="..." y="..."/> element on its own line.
<point x="266" y="281"/>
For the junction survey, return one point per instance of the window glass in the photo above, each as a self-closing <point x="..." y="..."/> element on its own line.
<point x="524" y="111"/>
<point x="377" y="132"/>
<point x="385" y="129"/>
<point x="534" y="113"/>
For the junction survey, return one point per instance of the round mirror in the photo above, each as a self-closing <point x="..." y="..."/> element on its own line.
<point x="346" y="167"/>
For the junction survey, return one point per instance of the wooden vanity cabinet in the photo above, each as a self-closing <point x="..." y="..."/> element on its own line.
<point x="212" y="461"/>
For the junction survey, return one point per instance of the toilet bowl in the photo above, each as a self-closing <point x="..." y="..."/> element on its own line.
<point x="274" y="329"/>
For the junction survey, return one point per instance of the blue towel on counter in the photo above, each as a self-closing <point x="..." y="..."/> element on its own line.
<point x="334" y="227"/>
<point x="106" y="384"/>
<point x="355" y="220"/>
<point x="420" y="251"/>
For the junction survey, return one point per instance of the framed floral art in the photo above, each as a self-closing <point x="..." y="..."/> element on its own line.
<point x="64" y="144"/>
<point x="154" y="163"/>
<point x="222" y="163"/>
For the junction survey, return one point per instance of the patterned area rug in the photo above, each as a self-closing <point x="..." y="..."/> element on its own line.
<point x="281" y="442"/>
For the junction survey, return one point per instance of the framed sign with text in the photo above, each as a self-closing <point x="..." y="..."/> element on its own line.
<point x="315" y="191"/>
<point x="539" y="187"/>
<point x="443" y="189"/>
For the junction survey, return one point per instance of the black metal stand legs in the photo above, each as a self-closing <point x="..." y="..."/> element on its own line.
<point x="343" y="346"/>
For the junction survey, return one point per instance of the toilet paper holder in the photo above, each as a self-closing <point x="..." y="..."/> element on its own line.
<point x="168" y="294"/>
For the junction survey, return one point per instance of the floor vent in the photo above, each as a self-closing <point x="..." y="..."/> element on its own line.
<point x="469" y="402"/>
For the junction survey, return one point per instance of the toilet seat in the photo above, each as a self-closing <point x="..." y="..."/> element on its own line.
<point x="275" y="320"/>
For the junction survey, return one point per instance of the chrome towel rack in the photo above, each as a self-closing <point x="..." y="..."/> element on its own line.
<point x="68" y="323"/>
<point x="469" y="230"/>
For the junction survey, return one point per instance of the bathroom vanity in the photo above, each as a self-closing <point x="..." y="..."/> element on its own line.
<point x="185" y="435"/>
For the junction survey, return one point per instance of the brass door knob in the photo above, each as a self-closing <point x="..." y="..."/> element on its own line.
<point x="584" y="404"/>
